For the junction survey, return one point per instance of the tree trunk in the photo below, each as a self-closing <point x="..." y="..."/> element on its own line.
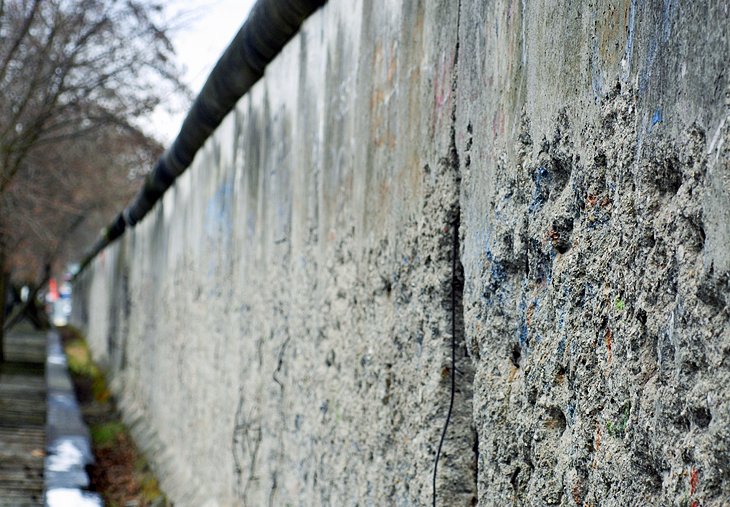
<point x="30" y="309"/>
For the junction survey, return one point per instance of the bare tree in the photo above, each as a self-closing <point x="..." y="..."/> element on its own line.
<point x="75" y="76"/>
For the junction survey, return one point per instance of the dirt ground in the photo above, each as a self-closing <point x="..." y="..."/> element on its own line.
<point x="121" y="474"/>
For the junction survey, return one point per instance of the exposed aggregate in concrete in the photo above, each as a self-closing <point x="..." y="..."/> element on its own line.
<point x="608" y="337"/>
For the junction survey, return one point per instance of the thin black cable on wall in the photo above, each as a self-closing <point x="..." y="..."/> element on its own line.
<point x="454" y="256"/>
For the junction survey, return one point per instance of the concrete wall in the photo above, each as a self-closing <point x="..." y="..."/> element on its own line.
<point x="279" y="329"/>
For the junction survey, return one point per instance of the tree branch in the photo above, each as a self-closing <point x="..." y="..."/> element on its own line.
<point x="19" y="39"/>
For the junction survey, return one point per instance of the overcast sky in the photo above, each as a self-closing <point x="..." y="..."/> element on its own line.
<point x="204" y="28"/>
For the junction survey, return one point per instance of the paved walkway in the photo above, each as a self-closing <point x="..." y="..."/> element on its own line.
<point x="68" y="444"/>
<point x="22" y="418"/>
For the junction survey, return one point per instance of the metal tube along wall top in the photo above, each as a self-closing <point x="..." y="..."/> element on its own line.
<point x="270" y="25"/>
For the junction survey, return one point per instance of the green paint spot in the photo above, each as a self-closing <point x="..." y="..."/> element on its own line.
<point x="617" y="428"/>
<point x="619" y="304"/>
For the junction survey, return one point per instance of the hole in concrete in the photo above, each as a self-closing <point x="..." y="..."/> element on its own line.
<point x="701" y="416"/>
<point x="562" y="169"/>
<point x="555" y="419"/>
<point x="560" y="232"/>
<point x="562" y="247"/>
<point x="666" y="175"/>
<point x="513" y="478"/>
<point x="330" y="359"/>
<point x="688" y="456"/>
<point x="682" y="423"/>
<point x="516" y="354"/>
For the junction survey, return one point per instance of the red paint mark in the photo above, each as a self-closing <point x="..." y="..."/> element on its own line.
<point x="695" y="503"/>
<point x="530" y="313"/>
<point x="609" y="339"/>
<point x="577" y="488"/>
<point x="553" y="236"/>
<point x="694" y="481"/>
<point x="442" y="88"/>
<point x="443" y="85"/>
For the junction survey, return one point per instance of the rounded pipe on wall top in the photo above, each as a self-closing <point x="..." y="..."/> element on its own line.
<point x="269" y="26"/>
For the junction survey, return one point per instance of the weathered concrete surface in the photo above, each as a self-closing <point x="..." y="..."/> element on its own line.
<point x="279" y="329"/>
<point x="284" y="328"/>
<point x="596" y="212"/>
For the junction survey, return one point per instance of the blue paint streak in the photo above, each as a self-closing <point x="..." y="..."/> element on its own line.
<point x="570" y="409"/>
<point x="561" y="346"/>
<point x="588" y="294"/>
<point x="628" y="55"/>
<point x="645" y="74"/>
<point x="494" y="287"/>
<point x="542" y="178"/>
<point x="667" y="15"/>
<point x="552" y="254"/>
<point x="657" y="117"/>
<point x="596" y="74"/>
<point x="219" y="222"/>
<point x="498" y="274"/>
<point x="523" y="338"/>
